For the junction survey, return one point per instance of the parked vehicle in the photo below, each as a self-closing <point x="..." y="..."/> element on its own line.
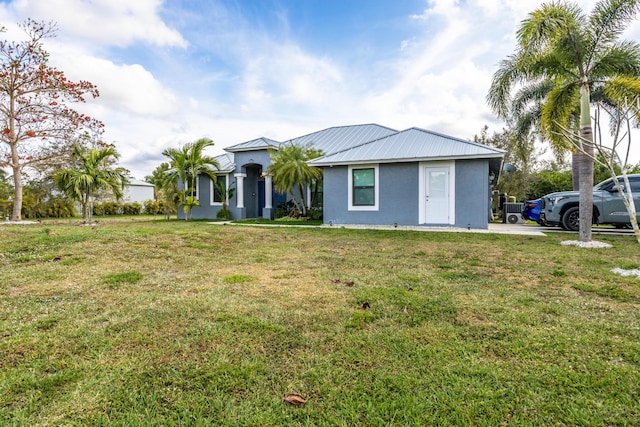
<point x="531" y="210"/>
<point x="608" y="208"/>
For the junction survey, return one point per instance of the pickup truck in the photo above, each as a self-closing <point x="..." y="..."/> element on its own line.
<point x="608" y="208"/>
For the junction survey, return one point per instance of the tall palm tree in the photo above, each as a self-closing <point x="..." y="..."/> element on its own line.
<point x="186" y="164"/>
<point x="571" y="54"/>
<point x="290" y="170"/>
<point x="166" y="189"/>
<point x="94" y="173"/>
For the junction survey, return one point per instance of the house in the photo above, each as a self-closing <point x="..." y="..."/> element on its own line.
<point x="138" y="191"/>
<point x="372" y="175"/>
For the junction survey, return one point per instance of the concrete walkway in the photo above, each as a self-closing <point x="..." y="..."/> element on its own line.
<point x="514" y="229"/>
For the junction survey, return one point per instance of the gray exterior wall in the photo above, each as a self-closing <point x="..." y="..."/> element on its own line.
<point x="205" y="210"/>
<point x="399" y="195"/>
<point x="249" y="163"/>
<point x="472" y="193"/>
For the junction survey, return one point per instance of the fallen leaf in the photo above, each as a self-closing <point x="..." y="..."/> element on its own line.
<point x="366" y="305"/>
<point x="348" y="283"/>
<point x="295" y="399"/>
<point x="405" y="311"/>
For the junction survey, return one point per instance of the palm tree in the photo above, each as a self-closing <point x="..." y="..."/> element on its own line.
<point x="223" y="192"/>
<point x="186" y="164"/>
<point x="166" y="190"/>
<point x="290" y="170"/>
<point x="571" y="54"/>
<point x="93" y="174"/>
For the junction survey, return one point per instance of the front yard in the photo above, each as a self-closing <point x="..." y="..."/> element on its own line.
<point x="188" y="323"/>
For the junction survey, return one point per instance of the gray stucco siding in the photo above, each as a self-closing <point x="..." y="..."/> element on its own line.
<point x="472" y="193"/>
<point x="399" y="190"/>
<point x="206" y="210"/>
<point x="258" y="157"/>
<point x="398" y="196"/>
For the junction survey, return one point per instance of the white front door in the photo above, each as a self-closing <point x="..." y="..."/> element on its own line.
<point x="437" y="195"/>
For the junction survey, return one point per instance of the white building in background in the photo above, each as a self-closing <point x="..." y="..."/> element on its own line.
<point x="138" y="191"/>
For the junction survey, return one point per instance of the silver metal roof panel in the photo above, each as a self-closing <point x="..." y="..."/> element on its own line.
<point x="254" y="144"/>
<point x="225" y="162"/>
<point x="339" y="138"/>
<point x="413" y="144"/>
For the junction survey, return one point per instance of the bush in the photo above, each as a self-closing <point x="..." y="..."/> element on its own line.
<point x="151" y="207"/>
<point x="224" y="214"/>
<point x="131" y="208"/>
<point x="314" y="213"/>
<point x="107" y="208"/>
<point x="59" y="207"/>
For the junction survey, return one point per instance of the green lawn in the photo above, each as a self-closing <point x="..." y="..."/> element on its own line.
<point x="188" y="323"/>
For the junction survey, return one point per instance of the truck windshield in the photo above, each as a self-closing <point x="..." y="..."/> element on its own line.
<point x="604" y="184"/>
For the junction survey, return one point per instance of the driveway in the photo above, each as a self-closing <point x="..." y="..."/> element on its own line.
<point x="532" y="228"/>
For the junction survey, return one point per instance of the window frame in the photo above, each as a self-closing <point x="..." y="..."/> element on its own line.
<point x="212" y="191"/>
<point x="376" y="188"/>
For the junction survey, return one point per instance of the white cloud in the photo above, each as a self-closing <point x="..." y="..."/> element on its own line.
<point x="265" y="84"/>
<point x="107" y="22"/>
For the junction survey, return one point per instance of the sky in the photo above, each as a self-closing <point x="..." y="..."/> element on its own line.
<point x="171" y="72"/>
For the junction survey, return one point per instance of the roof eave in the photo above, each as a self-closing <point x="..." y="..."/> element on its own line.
<point x="407" y="160"/>
<point x="238" y="150"/>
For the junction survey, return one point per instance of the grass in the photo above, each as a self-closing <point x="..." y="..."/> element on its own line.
<point x="188" y="323"/>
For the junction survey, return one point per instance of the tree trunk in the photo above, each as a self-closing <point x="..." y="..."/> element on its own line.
<point x="295" y="202"/>
<point x="303" y="202"/>
<point x="84" y="208"/>
<point x="575" y="169"/>
<point x="585" y="168"/>
<point x="16" y="214"/>
<point x="586" y="184"/>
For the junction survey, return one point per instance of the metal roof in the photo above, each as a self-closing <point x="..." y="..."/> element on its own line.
<point x="339" y="138"/>
<point x="413" y="144"/>
<point x="138" y="183"/>
<point x="254" y="144"/>
<point x="225" y="162"/>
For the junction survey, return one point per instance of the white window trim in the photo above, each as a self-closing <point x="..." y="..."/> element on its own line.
<point x="212" y="190"/>
<point x="422" y="190"/>
<point x="376" y="188"/>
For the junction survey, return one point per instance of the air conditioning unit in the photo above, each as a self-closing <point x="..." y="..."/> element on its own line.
<point x="512" y="213"/>
<point x="515" y="218"/>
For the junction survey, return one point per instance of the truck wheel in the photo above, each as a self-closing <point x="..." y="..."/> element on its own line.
<point x="571" y="219"/>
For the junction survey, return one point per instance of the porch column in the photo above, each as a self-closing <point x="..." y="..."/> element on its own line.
<point x="268" y="197"/>
<point x="240" y="189"/>
<point x="267" y="211"/>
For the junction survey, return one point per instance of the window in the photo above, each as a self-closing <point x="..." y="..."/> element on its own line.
<point x="216" y="199"/>
<point x="363" y="188"/>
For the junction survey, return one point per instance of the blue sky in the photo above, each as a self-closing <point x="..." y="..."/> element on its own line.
<point x="174" y="71"/>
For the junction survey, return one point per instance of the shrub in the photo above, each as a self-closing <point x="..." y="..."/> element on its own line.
<point x="224" y="214"/>
<point x="59" y="207"/>
<point x="151" y="207"/>
<point x="131" y="208"/>
<point x="314" y="213"/>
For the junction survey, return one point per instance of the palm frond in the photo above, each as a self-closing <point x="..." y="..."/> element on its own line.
<point x="609" y="19"/>
<point x="621" y="58"/>
<point x="557" y="114"/>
